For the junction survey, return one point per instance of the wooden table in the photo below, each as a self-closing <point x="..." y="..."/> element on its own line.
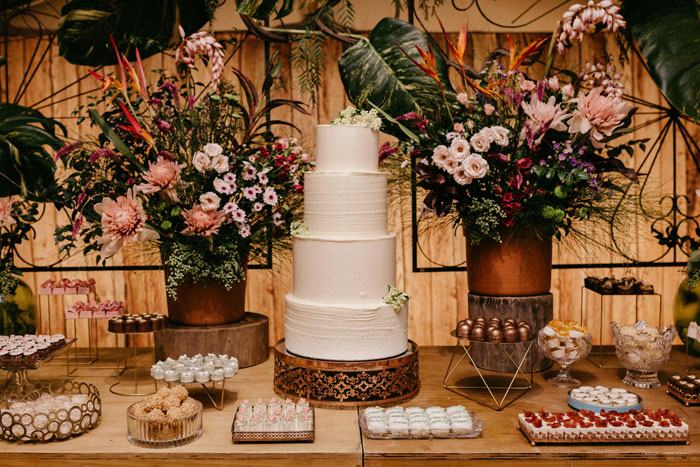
<point x="339" y="443"/>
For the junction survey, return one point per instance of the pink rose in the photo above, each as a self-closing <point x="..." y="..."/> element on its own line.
<point x="488" y="109"/>
<point x="553" y="83"/>
<point x="463" y="98"/>
<point x="459" y="127"/>
<point x="568" y="91"/>
<point x="475" y="166"/>
<point x="527" y="86"/>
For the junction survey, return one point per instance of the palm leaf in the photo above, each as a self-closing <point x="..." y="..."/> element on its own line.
<point x="669" y="40"/>
<point x="375" y="70"/>
<point x="85" y="26"/>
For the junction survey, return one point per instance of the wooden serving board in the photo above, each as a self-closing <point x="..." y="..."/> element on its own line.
<point x="534" y="441"/>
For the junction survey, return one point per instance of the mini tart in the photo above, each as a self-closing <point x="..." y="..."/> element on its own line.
<point x="644" y="288"/>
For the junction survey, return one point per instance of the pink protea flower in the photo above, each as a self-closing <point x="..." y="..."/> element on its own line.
<point x="163" y="175"/>
<point x="6" y="218"/>
<point x="123" y="220"/>
<point x="542" y="117"/>
<point x="202" y="223"/>
<point x="598" y="114"/>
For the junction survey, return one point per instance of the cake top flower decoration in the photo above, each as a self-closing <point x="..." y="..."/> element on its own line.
<point x="352" y="116"/>
<point x="299" y="229"/>
<point x="396" y="298"/>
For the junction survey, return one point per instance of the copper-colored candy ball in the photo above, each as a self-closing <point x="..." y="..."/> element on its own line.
<point x="496" y="335"/>
<point x="463" y="330"/>
<point x="480" y="319"/>
<point x="511" y="334"/>
<point x="469" y="321"/>
<point x="495" y="319"/>
<point x="525" y="332"/>
<point x="491" y="327"/>
<point x="521" y="322"/>
<point x="509" y="321"/>
<point x="478" y="333"/>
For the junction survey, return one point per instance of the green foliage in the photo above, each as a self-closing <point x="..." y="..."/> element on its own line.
<point x="669" y="40"/>
<point x="85" y="27"/>
<point x="263" y="9"/>
<point x="483" y="221"/>
<point x="375" y="70"/>
<point x="186" y="263"/>
<point x="308" y="61"/>
<point x="26" y="167"/>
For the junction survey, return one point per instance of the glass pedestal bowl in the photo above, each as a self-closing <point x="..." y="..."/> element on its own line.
<point x="564" y="350"/>
<point x="643" y="350"/>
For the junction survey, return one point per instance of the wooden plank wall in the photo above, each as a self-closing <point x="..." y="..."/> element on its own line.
<point x="438" y="299"/>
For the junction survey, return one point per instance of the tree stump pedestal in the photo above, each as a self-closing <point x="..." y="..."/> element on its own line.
<point x="247" y="340"/>
<point x="537" y="310"/>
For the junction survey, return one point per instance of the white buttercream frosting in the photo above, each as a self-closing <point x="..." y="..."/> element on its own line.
<point x="346" y="148"/>
<point x="345" y="204"/>
<point x="344" y="332"/>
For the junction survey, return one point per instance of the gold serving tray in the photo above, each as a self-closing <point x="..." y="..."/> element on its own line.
<point x="687" y="400"/>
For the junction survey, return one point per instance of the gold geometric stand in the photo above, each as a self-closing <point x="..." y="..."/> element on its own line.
<point x="487" y="380"/>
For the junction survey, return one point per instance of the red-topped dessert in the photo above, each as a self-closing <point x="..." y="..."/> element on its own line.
<point x="660" y="425"/>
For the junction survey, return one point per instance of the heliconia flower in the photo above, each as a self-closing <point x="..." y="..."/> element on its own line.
<point x="6" y="218"/>
<point x="135" y="128"/>
<point x="427" y="64"/>
<point x="517" y="59"/>
<point x="67" y="149"/>
<point x="458" y="51"/>
<point x="201" y="43"/>
<point x="123" y="220"/>
<point x="202" y="223"/>
<point x="598" y="114"/>
<point x="580" y="20"/>
<point x="107" y="82"/>
<point x="163" y="175"/>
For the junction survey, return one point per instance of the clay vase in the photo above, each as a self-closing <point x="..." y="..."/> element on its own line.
<point x="519" y="266"/>
<point x="18" y="312"/>
<point x="207" y="304"/>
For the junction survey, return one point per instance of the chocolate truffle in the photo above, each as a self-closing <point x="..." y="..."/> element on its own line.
<point x="478" y="333"/>
<point x="525" y="332"/>
<point x="469" y="321"/>
<point x="463" y="330"/>
<point x="511" y="334"/>
<point x="496" y="335"/>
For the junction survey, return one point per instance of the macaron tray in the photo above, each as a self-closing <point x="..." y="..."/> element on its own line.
<point x="419" y="423"/>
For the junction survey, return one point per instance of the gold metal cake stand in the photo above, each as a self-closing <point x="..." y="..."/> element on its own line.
<point x="486" y="380"/>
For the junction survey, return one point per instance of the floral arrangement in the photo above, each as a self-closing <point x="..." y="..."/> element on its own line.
<point x="16" y="219"/>
<point x="193" y="169"/>
<point x="518" y="154"/>
<point x="396" y="298"/>
<point x="352" y="116"/>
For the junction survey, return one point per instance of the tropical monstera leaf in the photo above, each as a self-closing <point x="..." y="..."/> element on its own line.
<point x="262" y="9"/>
<point x="377" y="71"/>
<point x="150" y="26"/>
<point x="669" y="40"/>
<point x="26" y="167"/>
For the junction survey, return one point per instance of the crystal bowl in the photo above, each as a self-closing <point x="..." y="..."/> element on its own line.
<point x="165" y="432"/>
<point x="564" y="350"/>
<point x="643" y="350"/>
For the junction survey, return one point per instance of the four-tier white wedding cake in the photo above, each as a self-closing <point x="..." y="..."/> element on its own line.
<point x="344" y="265"/>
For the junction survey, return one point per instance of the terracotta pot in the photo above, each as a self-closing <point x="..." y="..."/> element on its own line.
<point x="207" y="304"/>
<point x="514" y="268"/>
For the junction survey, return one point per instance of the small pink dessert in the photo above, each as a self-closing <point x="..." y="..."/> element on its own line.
<point x="99" y="314"/>
<point x="46" y="288"/>
<point x="71" y="287"/>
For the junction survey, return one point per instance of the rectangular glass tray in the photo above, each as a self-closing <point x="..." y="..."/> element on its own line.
<point x="475" y="433"/>
<point x="34" y="363"/>
<point x="272" y="436"/>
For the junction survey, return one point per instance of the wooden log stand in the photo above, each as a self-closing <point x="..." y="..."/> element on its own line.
<point x="536" y="309"/>
<point x="247" y="340"/>
<point x="333" y="384"/>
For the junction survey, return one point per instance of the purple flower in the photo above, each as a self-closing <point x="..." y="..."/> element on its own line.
<point x="409" y="117"/>
<point x="100" y="153"/>
<point x="386" y="150"/>
<point x="81" y="199"/>
<point x="67" y="149"/>
<point x="170" y="87"/>
<point x="422" y="125"/>
<point x="155" y="102"/>
<point x="543" y="163"/>
<point x="77" y="223"/>
<point x="162" y="125"/>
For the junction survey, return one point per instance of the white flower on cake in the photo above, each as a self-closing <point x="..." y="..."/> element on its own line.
<point x="352" y="116"/>
<point x="299" y="229"/>
<point x="396" y="298"/>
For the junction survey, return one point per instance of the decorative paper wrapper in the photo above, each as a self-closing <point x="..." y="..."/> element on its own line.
<point x="272" y="436"/>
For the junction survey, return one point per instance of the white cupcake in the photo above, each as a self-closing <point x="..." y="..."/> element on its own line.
<point x="187" y="376"/>
<point x="202" y="376"/>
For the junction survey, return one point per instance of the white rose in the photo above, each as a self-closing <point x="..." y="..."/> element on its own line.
<point x="475" y="166"/>
<point x="212" y="149"/>
<point x="459" y="149"/>
<point x="209" y="201"/>
<point x="461" y="176"/>
<point x="201" y="161"/>
<point x="220" y="163"/>
<point x="440" y="153"/>
<point x="451" y="165"/>
<point x="488" y="133"/>
<point x="500" y="135"/>
<point x="480" y="143"/>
